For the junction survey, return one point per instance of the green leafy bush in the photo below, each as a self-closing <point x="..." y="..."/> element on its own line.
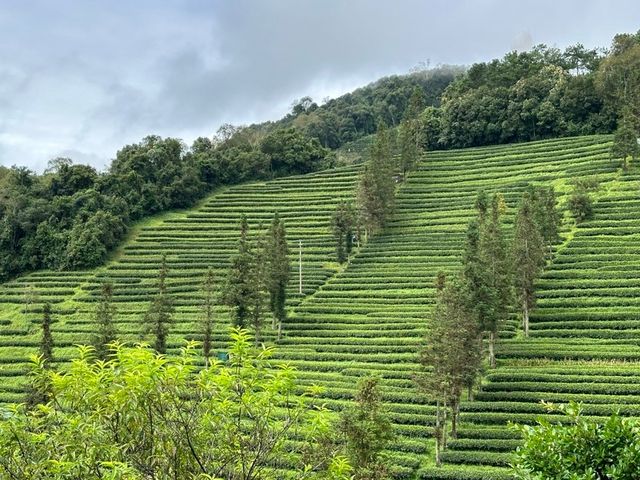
<point x="142" y="415"/>
<point x="581" y="449"/>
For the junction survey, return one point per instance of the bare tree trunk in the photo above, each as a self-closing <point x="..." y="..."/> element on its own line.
<point x="444" y="425"/>
<point x="279" y="330"/>
<point x="455" y="409"/>
<point x="492" y="344"/>
<point x="525" y="316"/>
<point x="438" y="435"/>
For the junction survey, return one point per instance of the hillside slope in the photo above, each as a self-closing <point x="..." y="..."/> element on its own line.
<point x="370" y="316"/>
<point x="194" y="241"/>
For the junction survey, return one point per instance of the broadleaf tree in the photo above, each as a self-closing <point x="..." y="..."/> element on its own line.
<point x="579" y="447"/>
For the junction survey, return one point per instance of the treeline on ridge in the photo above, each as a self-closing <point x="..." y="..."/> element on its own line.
<point x="72" y="216"/>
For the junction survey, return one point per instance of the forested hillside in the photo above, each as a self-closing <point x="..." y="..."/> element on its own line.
<point x="72" y="216"/>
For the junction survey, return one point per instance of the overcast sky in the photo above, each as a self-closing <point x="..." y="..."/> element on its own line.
<point x="83" y="78"/>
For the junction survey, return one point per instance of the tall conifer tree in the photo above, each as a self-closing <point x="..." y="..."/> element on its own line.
<point x="259" y="284"/>
<point x="39" y="391"/>
<point x="278" y="271"/>
<point x="496" y="270"/>
<point x="106" y="332"/>
<point x="368" y="431"/>
<point x="528" y="257"/>
<point x="487" y="268"/>
<point x="410" y="132"/>
<point x="208" y="302"/>
<point x="343" y="225"/>
<point x="46" y="341"/>
<point x="158" y="318"/>
<point x="409" y="147"/>
<point x="376" y="189"/>
<point x="451" y="356"/>
<point x="546" y="215"/>
<point x="239" y="286"/>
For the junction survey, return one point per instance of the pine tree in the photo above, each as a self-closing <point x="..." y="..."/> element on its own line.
<point x="259" y="285"/>
<point x="157" y="320"/>
<point x="367" y="430"/>
<point x="104" y="318"/>
<point x="528" y="257"/>
<point x="496" y="270"/>
<point x="410" y="132"/>
<point x="342" y="226"/>
<point x="278" y="271"/>
<point x="46" y="341"/>
<point x="376" y="188"/>
<point x="239" y="289"/>
<point x="208" y="302"/>
<point x="487" y="269"/>
<point x="626" y="140"/>
<point x="546" y="215"/>
<point x="451" y="357"/>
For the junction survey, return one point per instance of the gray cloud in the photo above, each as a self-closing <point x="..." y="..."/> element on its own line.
<point x="85" y="78"/>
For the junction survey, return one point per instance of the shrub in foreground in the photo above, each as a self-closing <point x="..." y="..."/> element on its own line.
<point x="583" y="449"/>
<point x="143" y="415"/>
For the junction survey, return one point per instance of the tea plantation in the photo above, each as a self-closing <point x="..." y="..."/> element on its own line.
<point x="368" y="317"/>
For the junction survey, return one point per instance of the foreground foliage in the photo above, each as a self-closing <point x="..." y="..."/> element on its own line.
<point x="583" y="449"/>
<point x="142" y="415"/>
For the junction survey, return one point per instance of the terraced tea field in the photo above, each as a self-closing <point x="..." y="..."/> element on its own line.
<point x="584" y="343"/>
<point x="193" y="241"/>
<point x="369" y="317"/>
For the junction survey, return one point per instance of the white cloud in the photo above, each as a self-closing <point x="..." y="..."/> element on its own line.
<point x="86" y="78"/>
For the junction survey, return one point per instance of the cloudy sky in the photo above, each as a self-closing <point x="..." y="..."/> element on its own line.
<point x="83" y="78"/>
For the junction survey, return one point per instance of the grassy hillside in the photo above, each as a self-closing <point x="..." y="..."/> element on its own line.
<point x="369" y="317"/>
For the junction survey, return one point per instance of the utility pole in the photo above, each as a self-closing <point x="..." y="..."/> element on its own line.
<point x="300" y="267"/>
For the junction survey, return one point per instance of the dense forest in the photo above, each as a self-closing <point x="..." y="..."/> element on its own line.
<point x="71" y="216"/>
